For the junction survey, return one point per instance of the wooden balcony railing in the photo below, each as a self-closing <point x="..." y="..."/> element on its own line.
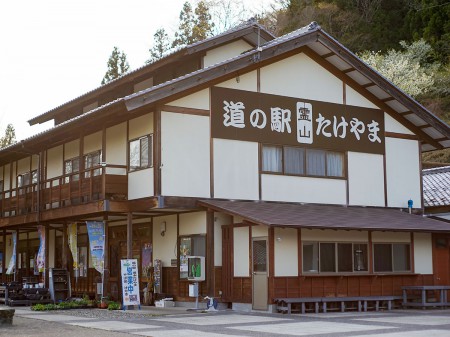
<point x="98" y="183"/>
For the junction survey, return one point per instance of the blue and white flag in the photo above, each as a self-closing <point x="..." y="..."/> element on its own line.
<point x="96" y="233"/>
<point x="12" y="262"/>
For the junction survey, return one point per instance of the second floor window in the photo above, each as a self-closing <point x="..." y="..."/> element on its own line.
<point x="140" y="152"/>
<point x="27" y="178"/>
<point x="92" y="160"/>
<point x="71" y="166"/>
<point x="292" y="160"/>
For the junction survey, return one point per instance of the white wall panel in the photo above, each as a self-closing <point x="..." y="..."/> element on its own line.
<point x="300" y="76"/>
<point x="116" y="148"/>
<point x="55" y="162"/>
<point x="140" y="126"/>
<point x="7" y="177"/>
<point x="165" y="247"/>
<point x="193" y="223"/>
<point x="403" y="172"/>
<point x="235" y="169"/>
<point x="72" y="149"/>
<point x="92" y="142"/>
<point x="198" y="100"/>
<point x="286" y="252"/>
<point x="140" y="184"/>
<point x="366" y="179"/>
<point x="241" y="251"/>
<point x="391" y="237"/>
<point x="423" y="253"/>
<point x="355" y="98"/>
<point x="302" y="189"/>
<point x="220" y="220"/>
<point x="334" y="235"/>
<point x="185" y="154"/>
<point x="247" y="82"/>
<point x="391" y="125"/>
<point x="23" y="165"/>
<point x="260" y="231"/>
<point x="225" y="52"/>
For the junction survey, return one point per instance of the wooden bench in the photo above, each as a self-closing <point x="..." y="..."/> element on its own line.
<point x="285" y="304"/>
<point x="362" y="302"/>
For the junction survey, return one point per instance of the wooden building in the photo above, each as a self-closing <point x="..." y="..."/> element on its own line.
<point x="286" y="162"/>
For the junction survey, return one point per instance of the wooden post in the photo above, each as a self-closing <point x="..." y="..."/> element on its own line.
<point x="106" y="288"/>
<point x="210" y="279"/>
<point x="47" y="245"/>
<point x="130" y="235"/>
<point x="64" y="246"/>
<point x="4" y="257"/>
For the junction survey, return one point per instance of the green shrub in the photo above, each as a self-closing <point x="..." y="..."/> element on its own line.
<point x="114" y="305"/>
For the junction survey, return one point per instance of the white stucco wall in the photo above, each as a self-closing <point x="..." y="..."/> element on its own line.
<point x="220" y="219"/>
<point x="366" y="179"/>
<point x="403" y="172"/>
<point x="260" y="231"/>
<point x="72" y="149"/>
<point x="247" y="82"/>
<point x="235" y="169"/>
<point x="391" y="237"/>
<point x="192" y="223"/>
<point x="198" y="100"/>
<point x="334" y="236"/>
<point x="55" y="162"/>
<point x="140" y="184"/>
<point x="165" y="247"/>
<point x="225" y="52"/>
<point x="391" y="125"/>
<point x="241" y="252"/>
<point x="116" y="148"/>
<point x="286" y="252"/>
<point x="185" y="155"/>
<point x="23" y="165"/>
<point x="300" y="76"/>
<point x="7" y="177"/>
<point x="302" y="189"/>
<point x="354" y="98"/>
<point x="92" y="142"/>
<point x="140" y="126"/>
<point x="423" y="253"/>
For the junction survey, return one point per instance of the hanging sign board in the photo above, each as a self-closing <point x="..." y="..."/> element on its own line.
<point x="130" y="282"/>
<point x="273" y="119"/>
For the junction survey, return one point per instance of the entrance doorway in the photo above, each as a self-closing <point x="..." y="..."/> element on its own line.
<point x="259" y="269"/>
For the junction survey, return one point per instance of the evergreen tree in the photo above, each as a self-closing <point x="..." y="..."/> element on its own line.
<point x="9" y="137"/>
<point x="203" y="26"/>
<point x="184" y="35"/>
<point x="117" y="65"/>
<point x="194" y="25"/>
<point x="161" y="45"/>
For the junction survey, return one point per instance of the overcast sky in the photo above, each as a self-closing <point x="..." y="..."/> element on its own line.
<point x="53" y="51"/>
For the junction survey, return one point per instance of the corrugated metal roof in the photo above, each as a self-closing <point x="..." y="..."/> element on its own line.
<point x="436" y="187"/>
<point x="326" y="216"/>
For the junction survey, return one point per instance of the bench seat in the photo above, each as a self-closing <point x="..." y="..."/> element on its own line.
<point x="285" y="304"/>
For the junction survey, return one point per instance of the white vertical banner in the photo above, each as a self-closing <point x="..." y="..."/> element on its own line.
<point x="130" y="282"/>
<point x="12" y="262"/>
<point x="40" y="260"/>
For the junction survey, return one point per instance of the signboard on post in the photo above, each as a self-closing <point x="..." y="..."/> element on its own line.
<point x="130" y="282"/>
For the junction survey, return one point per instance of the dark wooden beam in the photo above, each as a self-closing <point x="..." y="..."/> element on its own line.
<point x="210" y="279"/>
<point x="130" y="236"/>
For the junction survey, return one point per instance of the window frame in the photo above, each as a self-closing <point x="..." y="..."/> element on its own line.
<point x="96" y="168"/>
<point x="336" y="258"/>
<point x="305" y="162"/>
<point x="149" y="154"/>
<point x="71" y="177"/>
<point x="393" y="271"/>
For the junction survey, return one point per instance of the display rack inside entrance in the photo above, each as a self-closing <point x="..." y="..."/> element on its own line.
<point x="59" y="280"/>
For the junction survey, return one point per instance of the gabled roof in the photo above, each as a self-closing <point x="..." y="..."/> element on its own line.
<point x="312" y="216"/>
<point x="436" y="187"/>
<point x="331" y="55"/>
<point x="311" y="40"/>
<point x="250" y="31"/>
